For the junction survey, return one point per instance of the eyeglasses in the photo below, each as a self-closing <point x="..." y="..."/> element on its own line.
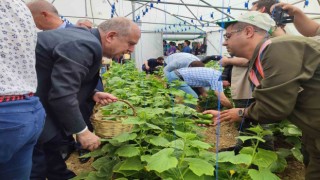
<point x="227" y="36"/>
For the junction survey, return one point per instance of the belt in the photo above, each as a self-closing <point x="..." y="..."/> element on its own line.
<point x="14" y="97"/>
<point x="179" y="75"/>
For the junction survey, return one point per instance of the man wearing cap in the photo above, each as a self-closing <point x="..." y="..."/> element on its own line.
<point x="286" y="74"/>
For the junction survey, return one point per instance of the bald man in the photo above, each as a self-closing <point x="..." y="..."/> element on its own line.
<point x="45" y="15"/>
<point x="67" y="64"/>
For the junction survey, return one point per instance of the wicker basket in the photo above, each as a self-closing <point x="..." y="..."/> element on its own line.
<point x="110" y="128"/>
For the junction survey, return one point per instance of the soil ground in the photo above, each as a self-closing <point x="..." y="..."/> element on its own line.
<point x="228" y="132"/>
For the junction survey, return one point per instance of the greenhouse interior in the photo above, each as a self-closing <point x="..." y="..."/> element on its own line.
<point x="160" y="89"/>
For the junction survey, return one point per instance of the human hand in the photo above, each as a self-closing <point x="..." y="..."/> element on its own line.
<point x="230" y="115"/>
<point x="104" y="98"/>
<point x="147" y="67"/>
<point x="88" y="140"/>
<point x="291" y="9"/>
<point x="226" y="83"/>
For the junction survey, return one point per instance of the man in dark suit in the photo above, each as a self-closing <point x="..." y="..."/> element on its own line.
<point x="46" y="17"/>
<point x="68" y="62"/>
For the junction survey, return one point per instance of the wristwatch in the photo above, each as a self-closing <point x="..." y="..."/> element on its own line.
<point x="241" y="112"/>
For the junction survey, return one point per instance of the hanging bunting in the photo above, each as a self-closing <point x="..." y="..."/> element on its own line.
<point x="201" y="18"/>
<point x="147" y="9"/>
<point x="306" y="3"/>
<point x="211" y="15"/>
<point x="229" y="10"/>
<point x="151" y="5"/>
<point x="191" y="20"/>
<point x="246" y="5"/>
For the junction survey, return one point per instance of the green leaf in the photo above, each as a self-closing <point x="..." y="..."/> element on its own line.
<point x="159" y="141"/>
<point x="297" y="154"/>
<point x="246" y="150"/>
<point x="177" y="144"/>
<point x="279" y="165"/>
<point x="95" y="153"/>
<point x="93" y="176"/>
<point x="122" y="178"/>
<point x="199" y="166"/>
<point x="245" y="138"/>
<point x="162" y="161"/>
<point x="225" y="156"/>
<point x="151" y="126"/>
<point x="241" y="159"/>
<point x="186" y="136"/>
<point x="256" y="129"/>
<point x="200" y="144"/>
<point x="97" y="164"/>
<point x="191" y="151"/>
<point x="207" y="155"/>
<point x="124" y="137"/>
<point x="128" y="151"/>
<point x="264" y="158"/>
<point x="263" y="174"/>
<point x="145" y="158"/>
<point x="133" y="164"/>
<point x="133" y="120"/>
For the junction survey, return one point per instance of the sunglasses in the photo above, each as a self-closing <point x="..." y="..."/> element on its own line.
<point x="228" y="35"/>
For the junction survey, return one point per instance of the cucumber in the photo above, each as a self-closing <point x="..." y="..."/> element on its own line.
<point x="205" y="116"/>
<point x="203" y="121"/>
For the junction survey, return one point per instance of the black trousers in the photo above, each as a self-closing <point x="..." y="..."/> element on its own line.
<point x="47" y="162"/>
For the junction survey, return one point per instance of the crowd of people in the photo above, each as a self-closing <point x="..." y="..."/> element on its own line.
<point x="196" y="48"/>
<point x="50" y="80"/>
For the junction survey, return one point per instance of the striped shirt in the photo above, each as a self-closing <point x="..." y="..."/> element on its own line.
<point x="202" y="77"/>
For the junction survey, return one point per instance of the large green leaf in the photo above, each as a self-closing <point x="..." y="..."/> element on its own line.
<point x="97" y="164"/>
<point x="159" y="141"/>
<point x="207" y="155"/>
<point x="177" y="144"/>
<point x="93" y="176"/>
<point x="145" y="158"/>
<point x="128" y="151"/>
<point x="200" y="166"/>
<point x="133" y="120"/>
<point x="264" y="174"/>
<point x="186" y="136"/>
<point x="162" y="161"/>
<point x="225" y="156"/>
<point x="124" y="137"/>
<point x="245" y="138"/>
<point x="241" y="159"/>
<point x="229" y="156"/>
<point x="200" y="144"/>
<point x="133" y="164"/>
<point x="264" y="158"/>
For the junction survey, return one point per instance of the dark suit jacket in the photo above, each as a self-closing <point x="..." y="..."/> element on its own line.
<point x="67" y="64"/>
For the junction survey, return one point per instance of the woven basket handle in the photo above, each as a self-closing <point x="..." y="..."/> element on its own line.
<point x="130" y="105"/>
<point x="124" y="101"/>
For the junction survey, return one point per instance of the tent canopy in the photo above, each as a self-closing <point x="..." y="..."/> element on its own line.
<point x="181" y="19"/>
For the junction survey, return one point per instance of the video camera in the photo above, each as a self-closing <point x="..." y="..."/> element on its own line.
<point x="281" y="17"/>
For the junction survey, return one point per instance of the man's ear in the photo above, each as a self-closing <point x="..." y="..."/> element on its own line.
<point x="249" y="30"/>
<point x="263" y="9"/>
<point x="44" y="14"/>
<point x="110" y="36"/>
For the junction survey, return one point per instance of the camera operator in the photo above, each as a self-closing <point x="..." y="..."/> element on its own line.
<point x="304" y="25"/>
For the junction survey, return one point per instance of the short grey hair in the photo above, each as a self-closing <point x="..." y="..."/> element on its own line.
<point x="83" y="20"/>
<point x="37" y="6"/>
<point x="121" y="25"/>
<point x="241" y="25"/>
